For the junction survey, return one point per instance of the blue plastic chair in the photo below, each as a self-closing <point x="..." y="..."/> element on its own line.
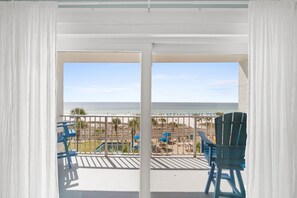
<point x="67" y="133"/>
<point x="228" y="153"/>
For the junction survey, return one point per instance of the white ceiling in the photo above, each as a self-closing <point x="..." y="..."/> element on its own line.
<point x="202" y="31"/>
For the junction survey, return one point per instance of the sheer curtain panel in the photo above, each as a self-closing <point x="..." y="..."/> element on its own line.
<point x="28" y="167"/>
<point x="271" y="161"/>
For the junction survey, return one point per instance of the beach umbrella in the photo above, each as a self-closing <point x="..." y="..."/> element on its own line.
<point x="166" y="134"/>
<point x="137" y="137"/>
<point x="163" y="139"/>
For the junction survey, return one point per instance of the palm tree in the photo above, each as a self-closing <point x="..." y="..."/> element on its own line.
<point x="78" y="111"/>
<point x="116" y="122"/>
<point x="208" y="124"/>
<point x="79" y="124"/>
<point x="134" y="125"/>
<point x="162" y="120"/>
<point x="173" y="125"/>
<point x="154" y="122"/>
<point x="199" y="121"/>
<point x="219" y="113"/>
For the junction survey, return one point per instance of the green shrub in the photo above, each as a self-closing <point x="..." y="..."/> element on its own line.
<point x="99" y="130"/>
<point x="198" y="147"/>
<point x="125" y="149"/>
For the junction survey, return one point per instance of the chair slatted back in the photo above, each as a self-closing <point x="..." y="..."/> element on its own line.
<point x="231" y="139"/>
<point x="67" y="132"/>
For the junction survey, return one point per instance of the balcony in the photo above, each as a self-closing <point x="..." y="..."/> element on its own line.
<point x="108" y="164"/>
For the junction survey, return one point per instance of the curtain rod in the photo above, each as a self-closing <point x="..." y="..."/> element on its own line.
<point x="150" y="4"/>
<point x="153" y="4"/>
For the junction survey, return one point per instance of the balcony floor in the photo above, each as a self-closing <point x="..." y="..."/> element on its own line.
<point x="95" y="176"/>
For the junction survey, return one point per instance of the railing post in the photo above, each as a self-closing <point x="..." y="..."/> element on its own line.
<point x="194" y="138"/>
<point x="105" y="138"/>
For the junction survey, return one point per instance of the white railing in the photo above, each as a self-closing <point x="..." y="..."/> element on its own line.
<point x="120" y="135"/>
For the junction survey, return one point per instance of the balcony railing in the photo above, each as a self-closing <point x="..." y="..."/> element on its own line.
<point x="120" y="135"/>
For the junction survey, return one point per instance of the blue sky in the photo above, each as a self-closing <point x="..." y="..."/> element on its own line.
<point x="171" y="82"/>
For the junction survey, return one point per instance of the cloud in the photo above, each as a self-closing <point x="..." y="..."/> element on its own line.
<point x="220" y="83"/>
<point x="136" y="85"/>
<point x="99" y="89"/>
<point x="171" y="77"/>
<point x="222" y="90"/>
<point x="95" y="89"/>
<point x="103" y="93"/>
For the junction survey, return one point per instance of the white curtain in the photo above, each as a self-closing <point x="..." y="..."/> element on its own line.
<point x="272" y="139"/>
<point x="28" y="167"/>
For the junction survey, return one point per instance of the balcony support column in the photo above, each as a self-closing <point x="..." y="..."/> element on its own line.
<point x="145" y="124"/>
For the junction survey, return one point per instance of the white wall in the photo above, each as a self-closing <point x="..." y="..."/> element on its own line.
<point x="243" y="86"/>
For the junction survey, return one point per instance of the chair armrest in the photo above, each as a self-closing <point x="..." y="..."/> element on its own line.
<point x="205" y="139"/>
<point x="60" y="122"/>
<point x="63" y="122"/>
<point x="66" y="124"/>
<point x="208" y="148"/>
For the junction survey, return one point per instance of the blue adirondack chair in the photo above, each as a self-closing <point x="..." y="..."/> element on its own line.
<point x="228" y="153"/>
<point x="67" y="133"/>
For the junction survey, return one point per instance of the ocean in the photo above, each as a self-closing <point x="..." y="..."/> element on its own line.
<point x="132" y="108"/>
